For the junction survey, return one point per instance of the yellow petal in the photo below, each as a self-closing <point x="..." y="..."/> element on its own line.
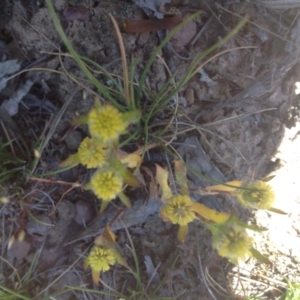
<point x="124" y="199"/>
<point x="109" y="235"/>
<point x="86" y="264"/>
<point x="183" y="229"/>
<point x="132" y="116"/>
<point x="163" y="216"/>
<point x="153" y="189"/>
<point x="210" y="214"/>
<point x="72" y="160"/>
<point x="99" y="240"/>
<point x="119" y="258"/>
<point x="80" y="120"/>
<point x="131" y="160"/>
<point x="162" y="178"/>
<point x="95" y="276"/>
<point x="103" y="206"/>
<point x="229" y="187"/>
<point x="180" y="173"/>
<point x="143" y="149"/>
<point x="129" y="178"/>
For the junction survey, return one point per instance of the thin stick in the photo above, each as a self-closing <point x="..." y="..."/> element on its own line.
<point x="176" y="103"/>
<point x="60" y="199"/>
<point x="8" y="138"/>
<point x="55" y="181"/>
<point x="204" y="279"/>
<point x="123" y="55"/>
<point x="220" y="53"/>
<point x="255" y="24"/>
<point x="15" y="270"/>
<point x="54" y="125"/>
<point x="77" y="81"/>
<point x="61" y="275"/>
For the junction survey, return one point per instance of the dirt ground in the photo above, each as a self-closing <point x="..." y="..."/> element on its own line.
<point x="244" y="114"/>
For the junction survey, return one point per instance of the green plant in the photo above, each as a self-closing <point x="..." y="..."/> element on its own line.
<point x="102" y="152"/>
<point x="9" y="164"/>
<point x="133" y="95"/>
<point x="107" y="181"/>
<point x="292" y="292"/>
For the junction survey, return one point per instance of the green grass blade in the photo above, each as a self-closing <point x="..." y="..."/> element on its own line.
<point x="12" y="293"/>
<point x="193" y="69"/>
<point x="163" y="43"/>
<point x="102" y="88"/>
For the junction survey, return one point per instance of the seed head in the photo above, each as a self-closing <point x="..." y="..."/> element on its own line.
<point x="106" y="184"/>
<point x="100" y="259"/>
<point x="233" y="242"/>
<point x="257" y="195"/>
<point x="179" y="210"/>
<point x="91" y="154"/>
<point x="106" y="123"/>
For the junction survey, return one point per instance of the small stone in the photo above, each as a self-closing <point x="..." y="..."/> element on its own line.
<point x="20" y="249"/>
<point x="41" y="227"/>
<point x="143" y="38"/>
<point x="84" y="212"/>
<point x="189" y="96"/>
<point x="183" y="36"/>
<point x="72" y="13"/>
<point x="73" y="140"/>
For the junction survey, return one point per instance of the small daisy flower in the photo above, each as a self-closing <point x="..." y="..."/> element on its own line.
<point x="91" y="154"/>
<point x="257" y="195"/>
<point x="106" y="123"/>
<point x="103" y="255"/>
<point x="106" y="184"/>
<point x="233" y="242"/>
<point x="100" y="259"/>
<point x="179" y="210"/>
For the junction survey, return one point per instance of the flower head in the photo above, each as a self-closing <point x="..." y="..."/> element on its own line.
<point x="101" y="258"/>
<point x="106" y="184"/>
<point x="103" y="255"/>
<point x="232" y="241"/>
<point x="179" y="210"/>
<point x="91" y="154"/>
<point x="106" y="123"/>
<point x="256" y="195"/>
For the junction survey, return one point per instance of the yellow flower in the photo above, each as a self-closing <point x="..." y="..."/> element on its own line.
<point x="100" y="259"/>
<point x="103" y="255"/>
<point x="232" y="241"/>
<point x="91" y="154"/>
<point x="257" y="195"/>
<point x="106" y="123"/>
<point x="179" y="210"/>
<point x="106" y="184"/>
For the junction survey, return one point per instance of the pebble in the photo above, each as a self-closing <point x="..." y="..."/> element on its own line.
<point x="73" y="139"/>
<point x="72" y="13"/>
<point x="39" y="227"/>
<point x="189" y="96"/>
<point x="183" y="36"/>
<point x="20" y="249"/>
<point x="143" y="38"/>
<point x="84" y="212"/>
